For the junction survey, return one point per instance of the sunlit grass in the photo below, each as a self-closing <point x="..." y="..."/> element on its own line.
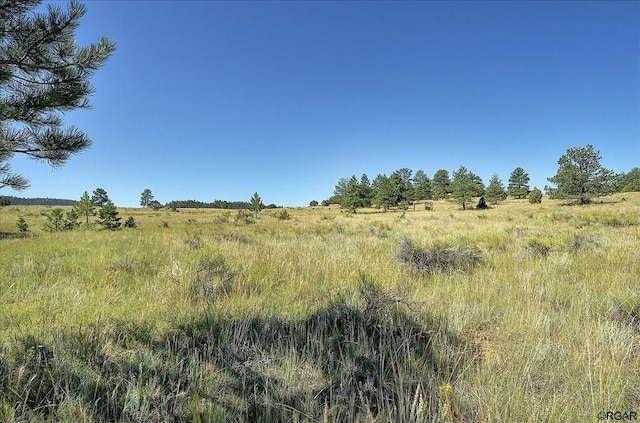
<point x="545" y="328"/>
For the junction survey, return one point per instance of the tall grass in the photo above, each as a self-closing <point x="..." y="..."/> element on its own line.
<point x="198" y="316"/>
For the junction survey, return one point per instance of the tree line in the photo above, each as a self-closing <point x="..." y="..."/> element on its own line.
<point x="215" y="204"/>
<point x="580" y="177"/>
<point x="36" y="201"/>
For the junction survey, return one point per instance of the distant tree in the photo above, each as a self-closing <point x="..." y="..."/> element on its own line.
<point x="375" y="187"/>
<point x="518" y="183"/>
<point x="466" y="185"/>
<point x="406" y="188"/>
<point x="365" y="192"/>
<point x="109" y="218"/>
<point x="313" y="203"/>
<point x="351" y="195"/>
<point x="43" y="74"/>
<point x="580" y="176"/>
<point x="4" y="201"/>
<point x="421" y="186"/>
<point x="384" y="197"/>
<point x="396" y="189"/>
<point x="146" y="197"/>
<point x="482" y="204"/>
<point x="100" y="197"/>
<point x="55" y="220"/>
<point x="22" y="226"/>
<point x="441" y="184"/>
<point x="495" y="191"/>
<point x="38" y="201"/>
<point x="155" y="205"/>
<point x="255" y="204"/>
<point x="535" y="196"/>
<point x="628" y="182"/>
<point x="325" y="203"/>
<point x="84" y="207"/>
<point x="339" y="190"/>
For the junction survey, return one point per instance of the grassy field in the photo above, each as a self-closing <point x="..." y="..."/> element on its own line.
<point x="199" y="316"/>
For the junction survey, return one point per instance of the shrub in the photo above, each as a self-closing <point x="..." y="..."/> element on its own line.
<point x="535" y="196"/>
<point x="213" y="278"/>
<point x="283" y="215"/>
<point x="22" y="225"/>
<point x="243" y="216"/>
<point x="130" y="223"/>
<point x="538" y="248"/>
<point x="482" y="204"/>
<point x="581" y="241"/>
<point x="437" y="259"/>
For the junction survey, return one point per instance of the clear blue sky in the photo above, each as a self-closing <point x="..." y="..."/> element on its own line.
<point x="216" y="100"/>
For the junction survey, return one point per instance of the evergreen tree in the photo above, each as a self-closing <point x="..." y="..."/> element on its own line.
<point x="628" y="182"/>
<point x="255" y="204"/>
<point x="518" y="183"/>
<point x="55" y="220"/>
<point x="146" y="197"/>
<point x="406" y="188"/>
<point x="84" y="207"/>
<point x="339" y="190"/>
<point x="535" y="196"/>
<point x="580" y="176"/>
<point x="482" y="204"/>
<point x="350" y="198"/>
<point x="71" y="220"/>
<point x="384" y="197"/>
<point x="155" y="205"/>
<point x="22" y="225"/>
<point x="109" y="218"/>
<point x="375" y="186"/>
<point x="364" y="191"/>
<point x="465" y="186"/>
<point x="495" y="191"/>
<point x="43" y="74"/>
<point x="396" y="189"/>
<point x="100" y="197"/>
<point x="441" y="184"/>
<point x="421" y="186"/>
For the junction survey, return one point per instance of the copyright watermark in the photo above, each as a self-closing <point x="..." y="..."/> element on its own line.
<point x="618" y="415"/>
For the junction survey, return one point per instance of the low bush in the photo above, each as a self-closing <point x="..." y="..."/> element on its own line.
<point x="423" y="262"/>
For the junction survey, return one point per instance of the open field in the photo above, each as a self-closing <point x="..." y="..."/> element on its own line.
<point x="195" y="317"/>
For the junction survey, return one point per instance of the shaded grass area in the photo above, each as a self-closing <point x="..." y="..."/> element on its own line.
<point x="363" y="357"/>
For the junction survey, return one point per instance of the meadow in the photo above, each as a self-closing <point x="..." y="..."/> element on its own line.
<point x="198" y="315"/>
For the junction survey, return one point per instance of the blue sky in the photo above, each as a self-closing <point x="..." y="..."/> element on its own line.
<point x="217" y="100"/>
